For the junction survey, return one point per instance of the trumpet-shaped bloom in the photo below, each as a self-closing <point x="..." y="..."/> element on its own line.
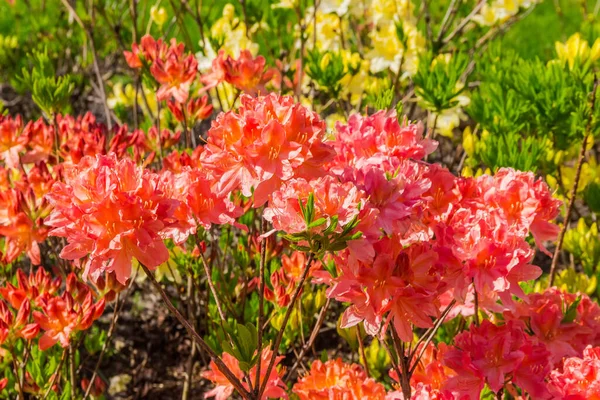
<point x="175" y="72"/>
<point x="378" y="140"/>
<point x="63" y="316"/>
<point x="336" y="380"/>
<point x="403" y="282"/>
<point x="564" y="335"/>
<point x="32" y="288"/>
<point x="284" y="280"/>
<point x="246" y="73"/>
<point x="13" y="327"/>
<point x="110" y="212"/>
<point x="12" y="140"/>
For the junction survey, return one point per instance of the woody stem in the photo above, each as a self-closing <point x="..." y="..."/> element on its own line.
<point x="197" y="338"/>
<point x="286" y="318"/>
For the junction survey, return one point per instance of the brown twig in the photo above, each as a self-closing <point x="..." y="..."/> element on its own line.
<point x="311" y="339"/>
<point x="113" y="324"/>
<point x="435" y="328"/>
<point x="261" y="302"/>
<point x="362" y="352"/>
<point x="563" y="230"/>
<point x="286" y="318"/>
<point x="203" y="345"/>
<point x="90" y="37"/>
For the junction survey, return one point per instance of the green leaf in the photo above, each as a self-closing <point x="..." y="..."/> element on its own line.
<point x="571" y="312"/>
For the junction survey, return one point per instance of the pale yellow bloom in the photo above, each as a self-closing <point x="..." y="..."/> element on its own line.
<point x="125" y="96"/>
<point x="576" y="48"/>
<point x="158" y="15"/>
<point x="329" y="31"/>
<point x="232" y="32"/>
<point x="339" y="7"/>
<point x="384" y="11"/>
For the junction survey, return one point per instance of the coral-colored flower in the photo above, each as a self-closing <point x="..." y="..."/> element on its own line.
<point x="403" y="282"/>
<point x="175" y="72"/>
<point x="110" y="212"/>
<point x="378" y="140"/>
<point x="63" y="316"/>
<point x="80" y="137"/>
<point x="33" y="288"/>
<point x="564" y="336"/>
<point x="149" y="49"/>
<point x="524" y="203"/>
<point x="21" y="232"/>
<point x="246" y="73"/>
<point x="12" y="140"/>
<point x="270" y="140"/>
<point x="331" y="198"/>
<point x="123" y="140"/>
<point x="13" y="327"/>
<point x="275" y="388"/>
<point x="40" y="142"/>
<point x="579" y="378"/>
<point x="429" y="377"/>
<point x="284" y="280"/>
<point x="494" y="355"/>
<point x="336" y="380"/>
<point x="195" y="110"/>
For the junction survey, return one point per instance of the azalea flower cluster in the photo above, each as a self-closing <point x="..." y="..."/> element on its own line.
<point x="515" y="354"/>
<point x="421" y="239"/>
<point x="337" y="380"/>
<point x="426" y="232"/>
<point x="35" y="305"/>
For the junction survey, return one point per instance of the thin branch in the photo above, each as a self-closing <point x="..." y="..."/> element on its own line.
<point x="261" y="302"/>
<point x="90" y="36"/>
<point x="113" y="324"/>
<point x="311" y="339"/>
<point x="463" y="23"/>
<point x="561" y="236"/>
<point x="203" y="345"/>
<point x="362" y="352"/>
<point x="286" y="318"/>
<point x="437" y="325"/>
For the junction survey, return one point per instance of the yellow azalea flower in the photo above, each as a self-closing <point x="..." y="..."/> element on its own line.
<point x="158" y="15"/>
<point x="576" y="48"/>
<point x="232" y="32"/>
<point x="286" y="4"/>
<point x="384" y="11"/>
<point x="125" y="96"/>
<point x="468" y="172"/>
<point x="329" y="27"/>
<point x="487" y="16"/>
<point x="469" y="141"/>
<point x="354" y="85"/>
<point x="387" y="51"/>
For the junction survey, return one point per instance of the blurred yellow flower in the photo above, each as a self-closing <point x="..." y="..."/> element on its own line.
<point x="158" y="15"/>
<point x="577" y="49"/>
<point x="231" y="32"/>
